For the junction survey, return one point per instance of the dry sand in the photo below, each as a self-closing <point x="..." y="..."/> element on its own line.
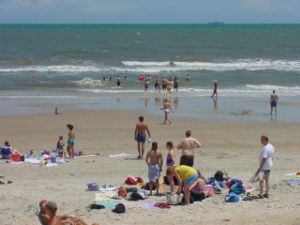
<point x="230" y="146"/>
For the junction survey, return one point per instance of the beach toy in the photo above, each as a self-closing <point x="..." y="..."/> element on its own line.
<point x="93" y="187"/>
<point x="141" y="77"/>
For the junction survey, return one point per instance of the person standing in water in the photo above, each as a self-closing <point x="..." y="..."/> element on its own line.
<point x="71" y="141"/>
<point x="167" y="109"/>
<point x="273" y="102"/>
<point x="140" y="136"/>
<point x="118" y="81"/>
<point x="215" y="91"/>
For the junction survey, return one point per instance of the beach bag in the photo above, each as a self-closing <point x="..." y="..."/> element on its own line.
<point x="237" y="189"/>
<point x="174" y="198"/>
<point x="16" y="157"/>
<point x="93" y="187"/>
<point x="198" y="196"/>
<point x="130" y="181"/>
<point x="120" y="208"/>
<point x="235" y="181"/>
<point x="232" y="197"/>
<point x="135" y="196"/>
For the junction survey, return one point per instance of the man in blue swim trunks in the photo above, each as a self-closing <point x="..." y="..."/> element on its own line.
<point x="273" y="102"/>
<point x="140" y="136"/>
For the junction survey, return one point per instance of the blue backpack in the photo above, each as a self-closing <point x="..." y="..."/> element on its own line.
<point x="232" y="197"/>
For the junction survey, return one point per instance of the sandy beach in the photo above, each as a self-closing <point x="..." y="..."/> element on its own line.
<point x="230" y="146"/>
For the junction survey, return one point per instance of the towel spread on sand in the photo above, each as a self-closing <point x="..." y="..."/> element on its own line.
<point x="153" y="172"/>
<point x="121" y="155"/>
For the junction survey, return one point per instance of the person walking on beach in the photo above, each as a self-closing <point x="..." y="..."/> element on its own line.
<point x="140" y="136"/>
<point x="215" y="91"/>
<point x="187" y="146"/>
<point x="167" y="107"/>
<point x="71" y="141"/>
<point x="273" y="102"/>
<point x="154" y="160"/>
<point x="265" y="165"/>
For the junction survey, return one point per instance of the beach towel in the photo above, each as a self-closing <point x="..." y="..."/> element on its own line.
<point x="293" y="182"/>
<point x="153" y="172"/>
<point x="121" y="155"/>
<point x="108" y="204"/>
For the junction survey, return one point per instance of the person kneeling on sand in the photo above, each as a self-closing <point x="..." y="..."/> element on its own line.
<point x="187" y="178"/>
<point x="154" y="160"/>
<point x="48" y="216"/>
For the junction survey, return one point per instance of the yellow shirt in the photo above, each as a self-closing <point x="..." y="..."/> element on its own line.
<point x="185" y="172"/>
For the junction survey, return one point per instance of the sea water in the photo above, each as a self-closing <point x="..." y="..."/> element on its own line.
<point x="66" y="64"/>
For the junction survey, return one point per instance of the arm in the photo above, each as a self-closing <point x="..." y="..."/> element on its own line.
<point x="147" y="158"/>
<point x="173" y="157"/>
<point x="179" y="183"/>
<point x="197" y="144"/>
<point x="260" y="166"/>
<point x="161" y="160"/>
<point x="135" y="131"/>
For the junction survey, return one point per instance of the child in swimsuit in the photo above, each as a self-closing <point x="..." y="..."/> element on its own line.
<point x="171" y="155"/>
<point x="60" y="146"/>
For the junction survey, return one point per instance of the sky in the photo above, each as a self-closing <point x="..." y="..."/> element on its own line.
<point x="149" y="11"/>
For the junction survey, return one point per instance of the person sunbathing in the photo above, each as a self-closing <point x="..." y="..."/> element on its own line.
<point x="48" y="216"/>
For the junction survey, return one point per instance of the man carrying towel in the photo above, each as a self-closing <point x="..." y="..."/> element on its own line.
<point x="187" y="146"/>
<point x="154" y="160"/>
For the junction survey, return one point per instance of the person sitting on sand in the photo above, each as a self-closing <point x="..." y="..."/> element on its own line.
<point x="187" y="178"/>
<point x="48" y="215"/>
<point x="187" y="146"/>
<point x="6" y="150"/>
<point x="140" y="136"/>
<point x="265" y="165"/>
<point x="167" y="107"/>
<point x="154" y="160"/>
<point x="71" y="140"/>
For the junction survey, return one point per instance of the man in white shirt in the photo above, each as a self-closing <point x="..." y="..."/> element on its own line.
<point x="265" y="165"/>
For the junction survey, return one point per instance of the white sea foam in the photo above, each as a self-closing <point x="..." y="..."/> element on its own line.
<point x="88" y="82"/>
<point x="157" y="67"/>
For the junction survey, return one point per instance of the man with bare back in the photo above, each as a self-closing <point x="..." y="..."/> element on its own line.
<point x="187" y="146"/>
<point x="140" y="136"/>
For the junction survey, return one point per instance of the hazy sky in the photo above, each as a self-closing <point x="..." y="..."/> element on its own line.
<point x="149" y="11"/>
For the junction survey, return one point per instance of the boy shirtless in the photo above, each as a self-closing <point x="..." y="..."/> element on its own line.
<point x="140" y="136"/>
<point x="154" y="160"/>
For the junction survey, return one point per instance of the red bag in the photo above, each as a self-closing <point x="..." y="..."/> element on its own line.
<point x="16" y="157"/>
<point x="130" y="181"/>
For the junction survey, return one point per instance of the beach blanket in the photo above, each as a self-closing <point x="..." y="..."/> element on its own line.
<point x="108" y="204"/>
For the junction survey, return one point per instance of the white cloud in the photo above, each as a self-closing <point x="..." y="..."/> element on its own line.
<point x="268" y="5"/>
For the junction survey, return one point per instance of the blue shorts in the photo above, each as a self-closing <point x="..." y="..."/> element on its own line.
<point x="273" y="104"/>
<point x="141" y="137"/>
<point x="191" y="180"/>
<point x="71" y="142"/>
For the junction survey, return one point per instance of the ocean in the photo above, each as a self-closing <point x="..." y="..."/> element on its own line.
<point x="66" y="64"/>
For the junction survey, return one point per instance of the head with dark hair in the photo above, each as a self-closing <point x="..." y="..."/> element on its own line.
<point x="141" y="118"/>
<point x="70" y="126"/>
<point x="6" y="143"/>
<point x="154" y="146"/>
<point x="188" y="133"/>
<point x="264" y="139"/>
<point x="169" y="144"/>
